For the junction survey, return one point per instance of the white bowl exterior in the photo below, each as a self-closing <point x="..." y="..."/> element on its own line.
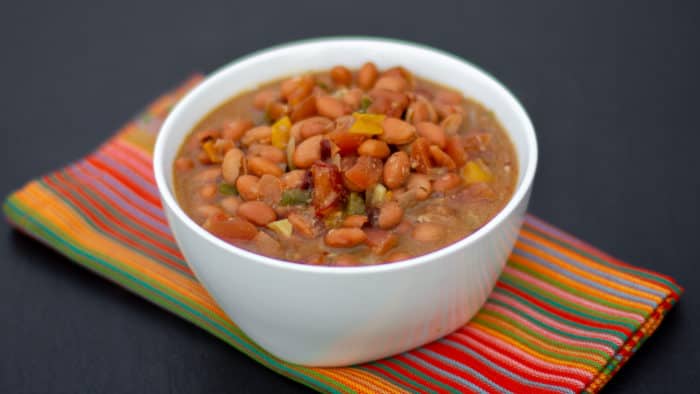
<point x="328" y="316"/>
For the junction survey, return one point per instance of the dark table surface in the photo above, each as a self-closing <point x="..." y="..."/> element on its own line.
<point x="612" y="89"/>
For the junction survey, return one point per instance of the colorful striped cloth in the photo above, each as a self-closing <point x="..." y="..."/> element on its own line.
<point x="564" y="317"/>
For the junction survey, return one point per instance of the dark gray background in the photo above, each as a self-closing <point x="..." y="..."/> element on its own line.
<point x="612" y="89"/>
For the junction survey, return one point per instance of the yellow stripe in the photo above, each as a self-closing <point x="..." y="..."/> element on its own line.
<point x="564" y="280"/>
<point x="591" y="263"/>
<point x="531" y="352"/>
<point x="63" y="217"/>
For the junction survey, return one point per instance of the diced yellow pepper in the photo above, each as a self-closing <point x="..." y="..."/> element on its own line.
<point x="282" y="227"/>
<point x="476" y="171"/>
<point x="367" y="124"/>
<point x="211" y="152"/>
<point x="280" y="132"/>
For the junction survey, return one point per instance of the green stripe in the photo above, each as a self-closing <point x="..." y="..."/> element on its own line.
<point x="655" y="278"/>
<point x="567" y="305"/>
<point x="87" y="205"/>
<point x="536" y="347"/>
<point x="572" y="290"/>
<point x="402" y="381"/>
<point x="578" y="348"/>
<point x="558" y="318"/>
<point x="556" y="330"/>
<point x="416" y="372"/>
<point x="11" y="208"/>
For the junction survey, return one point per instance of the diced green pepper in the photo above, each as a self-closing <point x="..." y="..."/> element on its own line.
<point x="295" y="197"/>
<point x="228" y="189"/>
<point x="364" y="104"/>
<point x="356" y="204"/>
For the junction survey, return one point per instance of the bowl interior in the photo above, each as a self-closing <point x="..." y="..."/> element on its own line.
<point x="251" y="71"/>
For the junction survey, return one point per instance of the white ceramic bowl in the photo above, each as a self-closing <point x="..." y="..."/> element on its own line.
<point x="334" y="316"/>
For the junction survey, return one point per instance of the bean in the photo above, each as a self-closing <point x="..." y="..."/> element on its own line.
<point x="441" y="158"/>
<point x="260" y="134"/>
<point x="296" y="87"/>
<point x="313" y="126"/>
<point x="265" y="97"/>
<point x="293" y="179"/>
<point x="231" y="166"/>
<point x="210" y="174"/>
<point x="421" y="184"/>
<point x="390" y="214"/>
<point x="265" y="242"/>
<point x="356" y="221"/>
<point x="452" y="123"/>
<point x="247" y="186"/>
<point x="234" y="130"/>
<point x="275" y="110"/>
<point x="344" y="237"/>
<point x="268" y="152"/>
<point x="421" y="111"/>
<point x="331" y="107"/>
<point x="346" y="260"/>
<point x="447" y="182"/>
<point x="208" y="191"/>
<point x="302" y="224"/>
<point x="341" y="76"/>
<point x="397" y="131"/>
<point x="308" y="152"/>
<point x="420" y="155"/>
<point x="367" y="76"/>
<point x="381" y="241"/>
<point x="304" y="109"/>
<point x="257" y="212"/>
<point x="448" y="97"/>
<point x="432" y="132"/>
<point x="374" y="148"/>
<point x="183" y="164"/>
<point x="230" y="204"/>
<point x="260" y="166"/>
<point x="270" y="189"/>
<point x="396" y="170"/>
<point x="353" y="98"/>
<point x="428" y="232"/>
<point x="207" y="210"/>
<point x="455" y="149"/>
<point x="393" y="83"/>
<point x="388" y="102"/>
<point x="366" y="171"/>
<point x="230" y="227"/>
<point x="397" y="256"/>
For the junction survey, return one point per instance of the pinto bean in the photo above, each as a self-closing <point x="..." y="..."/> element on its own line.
<point x="390" y="214"/>
<point x="270" y="189"/>
<point x="388" y="102"/>
<point x="455" y="149"/>
<point x="344" y="237"/>
<point x="353" y="98"/>
<point x="230" y="204"/>
<point x="208" y="175"/>
<point x="308" y="152"/>
<point x="432" y="132"/>
<point x="293" y="179"/>
<point x="356" y="221"/>
<point x="397" y="132"/>
<point x="183" y="164"/>
<point x="265" y="97"/>
<point x="331" y="107"/>
<point x="421" y="184"/>
<point x="247" y="186"/>
<point x="452" y="123"/>
<point x="260" y="166"/>
<point x="260" y="134"/>
<point x="374" y="148"/>
<point x="302" y="224"/>
<point x="397" y="169"/>
<point x="421" y="111"/>
<point x="257" y="212"/>
<point x="428" y="232"/>
<point x="310" y="127"/>
<point x="447" y="182"/>
<point x="393" y="83"/>
<point x="207" y="210"/>
<point x="304" y="109"/>
<point x="367" y="76"/>
<point x="230" y="227"/>
<point x="232" y="164"/>
<point x="449" y="97"/>
<point x="341" y="75"/>
<point x="234" y="130"/>
<point x="441" y="158"/>
<point x="268" y="152"/>
<point x="208" y="191"/>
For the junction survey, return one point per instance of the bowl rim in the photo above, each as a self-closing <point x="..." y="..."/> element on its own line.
<point x="170" y="202"/>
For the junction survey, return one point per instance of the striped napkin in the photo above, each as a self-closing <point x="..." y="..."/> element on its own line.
<point x="564" y="316"/>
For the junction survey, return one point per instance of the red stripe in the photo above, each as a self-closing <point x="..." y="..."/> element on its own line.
<point x="107" y="229"/>
<point x="389" y="376"/>
<point x="562" y="313"/>
<point x="135" y="153"/>
<point x="433" y="375"/>
<point x="137" y="204"/>
<point x="492" y="374"/>
<point x="74" y="171"/>
<point x="127" y="159"/>
<point x="505" y="353"/>
<point x="125" y="180"/>
<point x="453" y="370"/>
